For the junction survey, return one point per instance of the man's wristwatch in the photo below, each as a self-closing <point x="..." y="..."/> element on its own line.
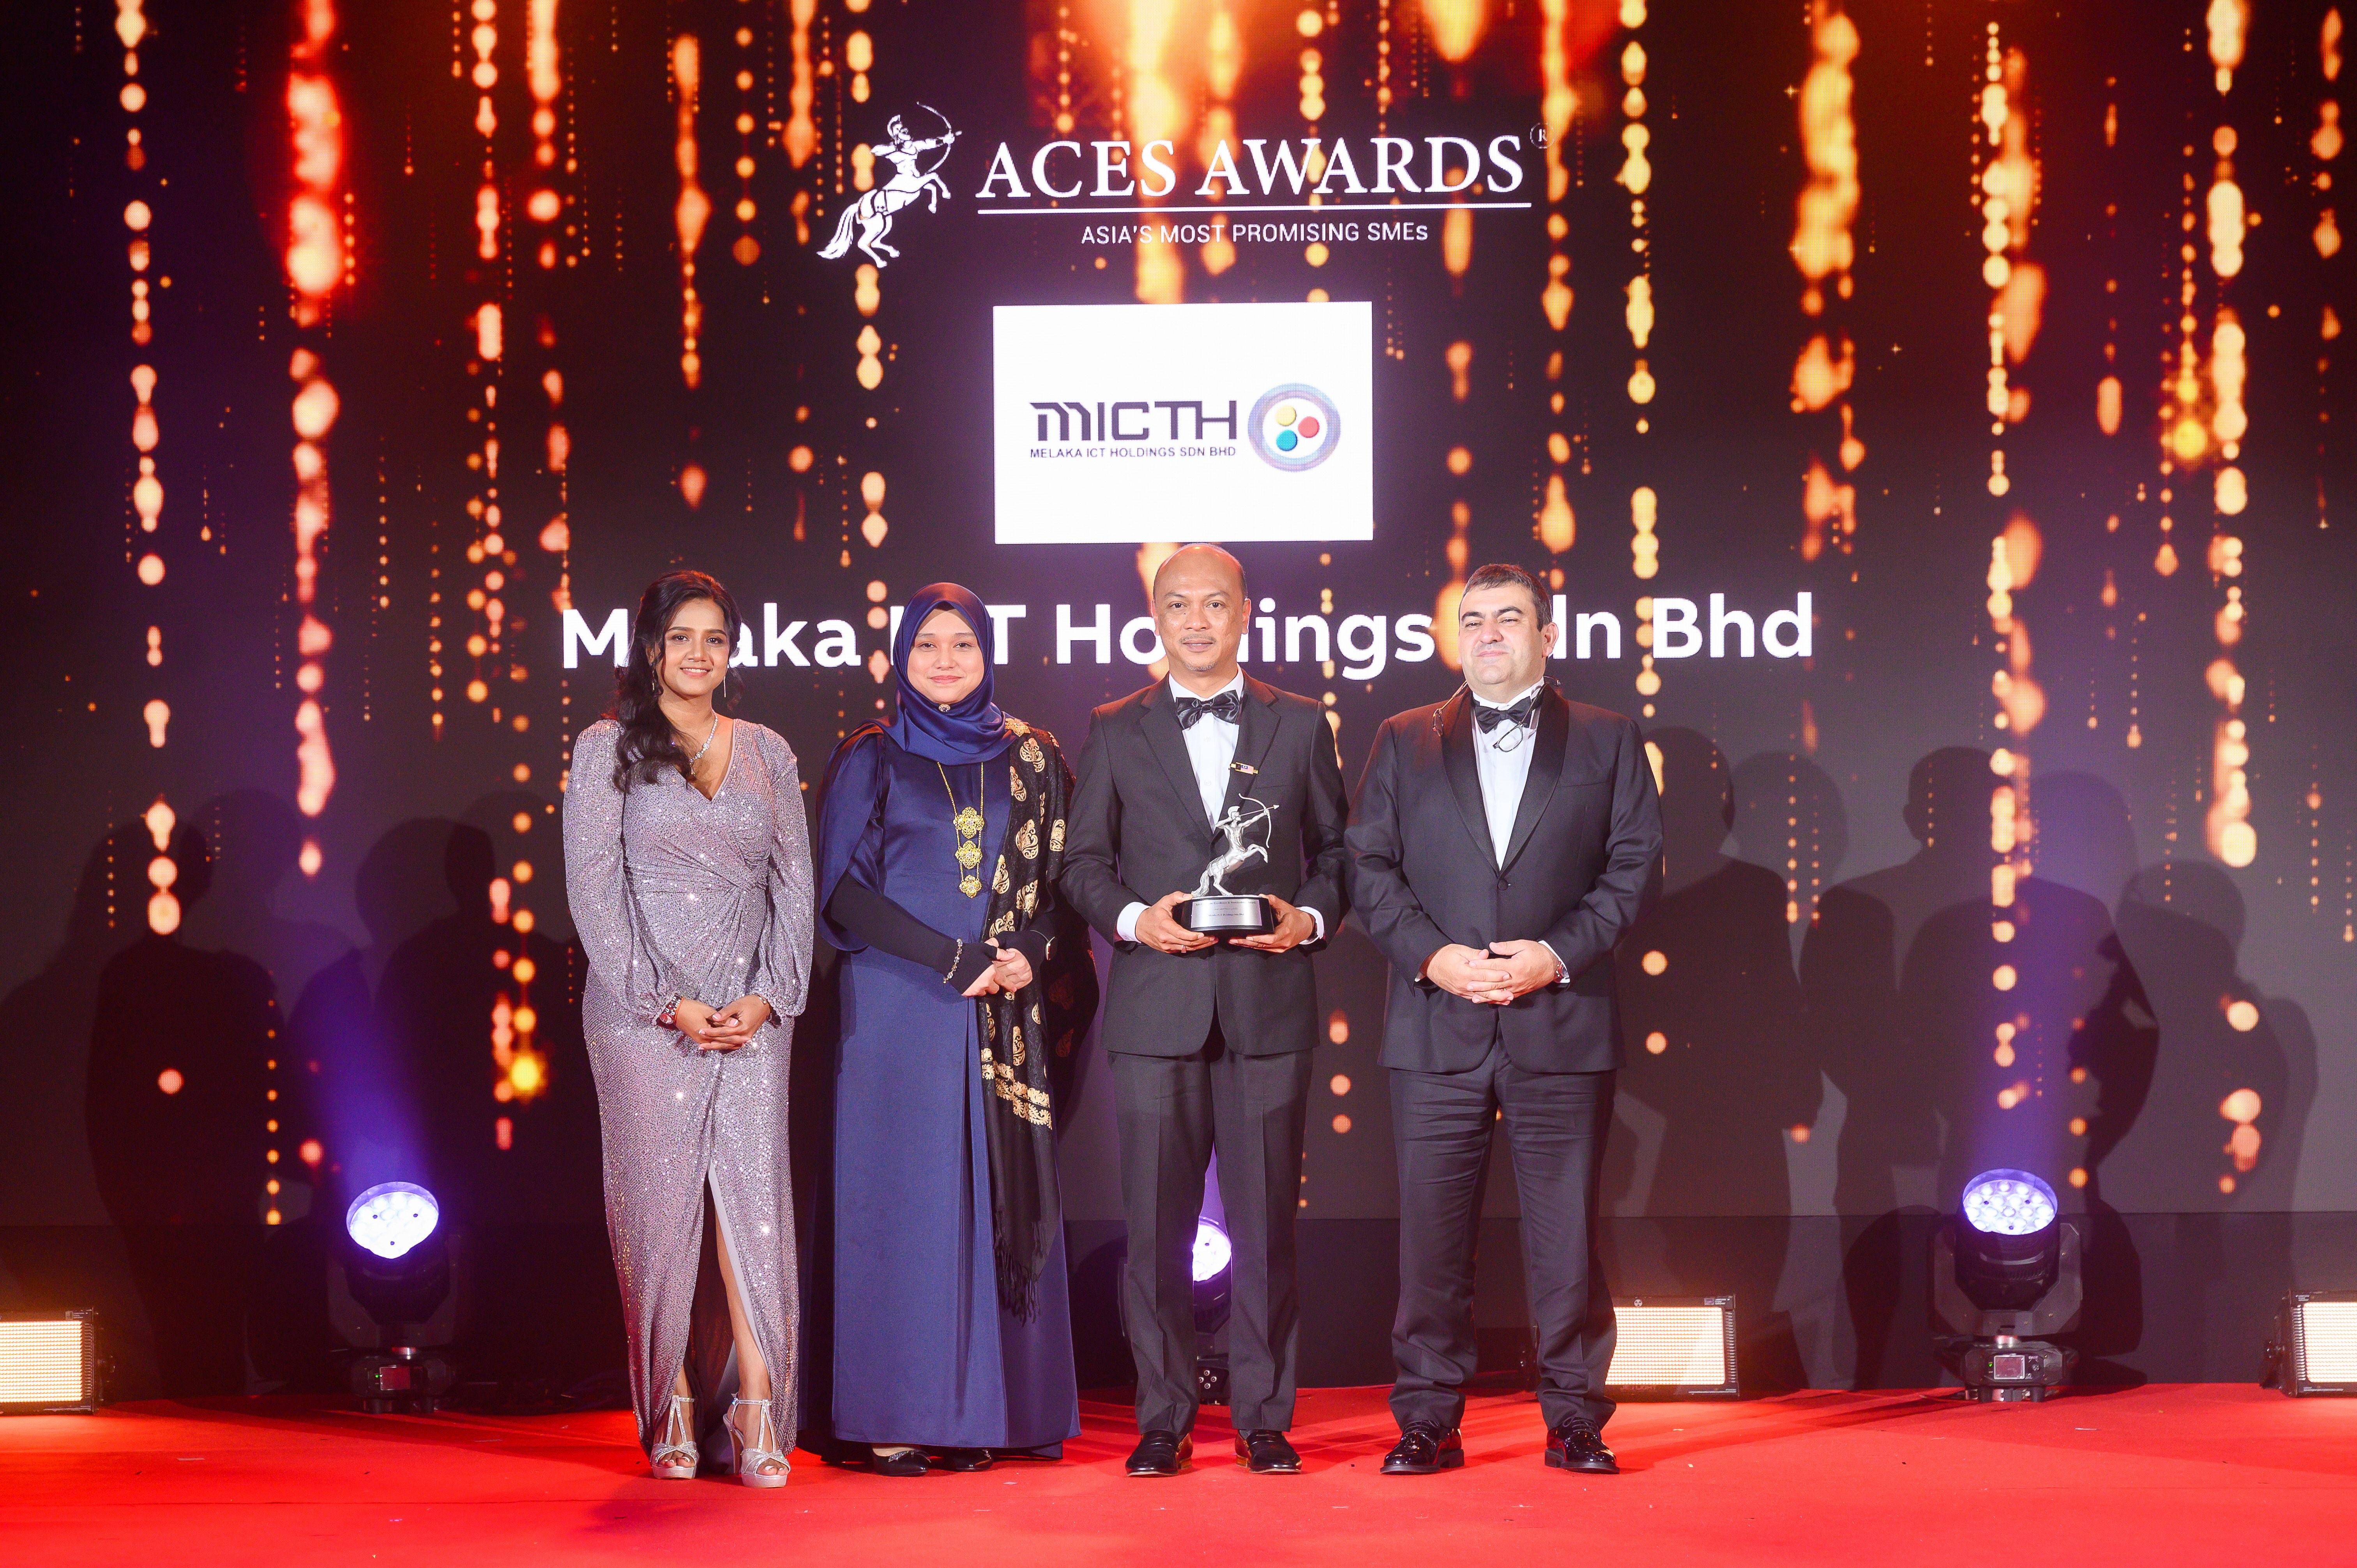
<point x="1562" y="969"/>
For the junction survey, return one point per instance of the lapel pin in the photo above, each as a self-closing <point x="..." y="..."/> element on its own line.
<point x="1243" y="768"/>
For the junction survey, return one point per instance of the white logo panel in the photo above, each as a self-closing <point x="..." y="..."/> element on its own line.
<point x="1130" y="423"/>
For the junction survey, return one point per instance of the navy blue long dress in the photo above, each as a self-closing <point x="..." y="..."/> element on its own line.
<point x="925" y="1354"/>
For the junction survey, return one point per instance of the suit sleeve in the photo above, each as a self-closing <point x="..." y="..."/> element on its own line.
<point x="1386" y="905"/>
<point x="1326" y="816"/>
<point x="1090" y="882"/>
<point x="1633" y="862"/>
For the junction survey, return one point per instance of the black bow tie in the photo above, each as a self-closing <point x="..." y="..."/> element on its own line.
<point x="1490" y="718"/>
<point x="1226" y="705"/>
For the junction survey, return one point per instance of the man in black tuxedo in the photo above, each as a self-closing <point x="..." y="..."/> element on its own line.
<point x="1501" y="843"/>
<point x="1209" y="1040"/>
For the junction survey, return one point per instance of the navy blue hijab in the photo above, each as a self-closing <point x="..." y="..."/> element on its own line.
<point x="971" y="730"/>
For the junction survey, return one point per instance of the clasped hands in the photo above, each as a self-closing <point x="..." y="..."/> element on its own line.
<point x="1506" y="970"/>
<point x="721" y="1028"/>
<point x="1159" y="927"/>
<point x="1010" y="971"/>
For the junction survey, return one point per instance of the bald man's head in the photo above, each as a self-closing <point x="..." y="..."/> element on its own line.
<point x="1201" y="613"/>
<point x="1201" y="562"/>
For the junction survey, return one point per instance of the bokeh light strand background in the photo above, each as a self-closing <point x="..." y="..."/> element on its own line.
<point x="2008" y="337"/>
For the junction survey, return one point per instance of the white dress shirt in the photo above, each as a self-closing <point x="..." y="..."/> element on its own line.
<point x="1212" y="752"/>
<point x="1502" y="761"/>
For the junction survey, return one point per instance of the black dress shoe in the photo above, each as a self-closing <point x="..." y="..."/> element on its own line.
<point x="962" y="1461"/>
<point x="1574" y="1443"/>
<point x="1267" y="1453"/>
<point x="1425" y="1447"/>
<point x="908" y="1461"/>
<point x="1161" y="1453"/>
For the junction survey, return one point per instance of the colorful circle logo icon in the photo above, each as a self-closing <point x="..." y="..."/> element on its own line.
<point x="1294" y="427"/>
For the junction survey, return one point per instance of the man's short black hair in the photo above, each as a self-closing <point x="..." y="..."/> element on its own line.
<point x="1505" y="574"/>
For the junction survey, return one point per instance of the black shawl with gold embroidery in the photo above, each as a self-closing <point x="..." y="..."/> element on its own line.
<point x="1029" y="1035"/>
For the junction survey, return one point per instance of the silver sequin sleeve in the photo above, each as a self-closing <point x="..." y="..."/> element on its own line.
<point x="614" y="934"/>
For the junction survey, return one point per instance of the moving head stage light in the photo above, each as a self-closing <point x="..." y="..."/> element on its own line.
<point x="2005" y="1274"/>
<point x="1209" y="1268"/>
<point x="392" y="1295"/>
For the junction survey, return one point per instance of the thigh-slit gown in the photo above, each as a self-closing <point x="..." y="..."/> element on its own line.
<point x="675" y="894"/>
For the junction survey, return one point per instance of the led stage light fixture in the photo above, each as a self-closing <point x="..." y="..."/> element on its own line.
<point x="2005" y="1274"/>
<point x="1673" y="1348"/>
<point x="394" y="1296"/>
<point x="49" y="1362"/>
<point x="2315" y="1349"/>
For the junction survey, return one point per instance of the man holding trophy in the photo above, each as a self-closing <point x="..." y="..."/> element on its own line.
<point x="1206" y="843"/>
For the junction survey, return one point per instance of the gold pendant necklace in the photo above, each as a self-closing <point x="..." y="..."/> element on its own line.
<point x="967" y="820"/>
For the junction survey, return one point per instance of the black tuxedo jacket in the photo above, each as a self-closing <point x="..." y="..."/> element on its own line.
<point x="1584" y="859"/>
<point x="1138" y="832"/>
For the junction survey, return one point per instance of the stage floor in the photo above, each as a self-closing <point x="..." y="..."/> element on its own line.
<point x="2176" y="1474"/>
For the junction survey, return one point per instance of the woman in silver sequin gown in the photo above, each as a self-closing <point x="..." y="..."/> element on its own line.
<point x="689" y="885"/>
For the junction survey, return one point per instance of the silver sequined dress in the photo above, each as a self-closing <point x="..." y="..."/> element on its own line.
<point x="677" y="896"/>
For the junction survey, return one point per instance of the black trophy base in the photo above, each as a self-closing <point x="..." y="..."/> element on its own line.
<point x="1227" y="915"/>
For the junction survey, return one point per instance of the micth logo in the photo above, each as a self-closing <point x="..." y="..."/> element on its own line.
<point x="1294" y="427"/>
<point x="1135" y="421"/>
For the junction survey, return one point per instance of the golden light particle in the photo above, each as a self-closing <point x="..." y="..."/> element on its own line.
<point x="1340" y="1083"/>
<point x="2004" y="978"/>
<point x="170" y="1081"/>
<point x="2243" y="1015"/>
<point x="1654" y="962"/>
<point x="1657" y="1042"/>
<point x="2240" y="1107"/>
<point x="1341" y="1123"/>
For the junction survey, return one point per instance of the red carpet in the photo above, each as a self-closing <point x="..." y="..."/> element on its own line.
<point x="2206" y="1474"/>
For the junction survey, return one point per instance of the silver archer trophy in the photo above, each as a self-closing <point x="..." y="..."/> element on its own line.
<point x="1212" y="908"/>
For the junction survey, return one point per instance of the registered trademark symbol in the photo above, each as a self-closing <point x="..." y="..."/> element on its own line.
<point x="1539" y="136"/>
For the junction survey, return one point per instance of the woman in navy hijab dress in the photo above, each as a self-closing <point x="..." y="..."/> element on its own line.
<point x="965" y="987"/>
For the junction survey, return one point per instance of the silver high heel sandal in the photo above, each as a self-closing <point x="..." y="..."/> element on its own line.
<point x="763" y="1449"/>
<point x="676" y="1456"/>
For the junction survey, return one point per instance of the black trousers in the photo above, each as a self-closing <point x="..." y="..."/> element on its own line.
<point x="1555" y="1124"/>
<point x="1173" y="1113"/>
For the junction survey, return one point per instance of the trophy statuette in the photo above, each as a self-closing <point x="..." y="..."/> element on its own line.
<point x="1211" y="909"/>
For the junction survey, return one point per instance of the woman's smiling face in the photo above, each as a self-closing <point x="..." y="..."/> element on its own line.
<point x="945" y="660"/>
<point x="695" y="650"/>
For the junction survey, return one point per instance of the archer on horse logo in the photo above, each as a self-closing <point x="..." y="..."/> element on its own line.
<point x="873" y="212"/>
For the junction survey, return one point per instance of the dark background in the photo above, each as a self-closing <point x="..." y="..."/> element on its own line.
<point x="1826" y="1013"/>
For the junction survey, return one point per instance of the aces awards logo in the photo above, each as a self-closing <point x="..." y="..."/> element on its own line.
<point x="911" y="177"/>
<point x="1294" y="427"/>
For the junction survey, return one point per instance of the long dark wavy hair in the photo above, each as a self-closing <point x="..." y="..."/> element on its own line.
<point x="649" y="743"/>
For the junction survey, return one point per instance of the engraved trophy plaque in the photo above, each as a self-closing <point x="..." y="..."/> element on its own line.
<point x="1211" y="909"/>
